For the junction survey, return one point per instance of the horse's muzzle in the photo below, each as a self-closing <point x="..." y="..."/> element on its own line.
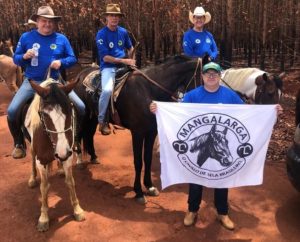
<point x="63" y="157"/>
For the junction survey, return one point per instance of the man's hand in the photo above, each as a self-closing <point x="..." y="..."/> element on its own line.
<point x="279" y="109"/>
<point x="129" y="62"/>
<point x="29" y="54"/>
<point x="153" y="107"/>
<point x="55" y="64"/>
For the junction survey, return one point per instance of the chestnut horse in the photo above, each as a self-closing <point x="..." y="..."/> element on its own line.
<point x="50" y="124"/>
<point x="158" y="82"/>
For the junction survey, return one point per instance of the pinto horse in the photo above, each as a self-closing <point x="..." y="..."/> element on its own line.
<point x="214" y="145"/>
<point x="132" y="104"/>
<point x="256" y="85"/>
<point x="50" y="124"/>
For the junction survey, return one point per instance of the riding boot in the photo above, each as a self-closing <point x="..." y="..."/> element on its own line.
<point x="19" y="143"/>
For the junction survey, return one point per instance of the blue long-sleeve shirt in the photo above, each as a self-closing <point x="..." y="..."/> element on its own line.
<point x="50" y="47"/>
<point x="112" y="43"/>
<point x="197" y="44"/>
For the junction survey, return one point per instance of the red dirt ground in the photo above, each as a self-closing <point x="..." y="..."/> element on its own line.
<point x="270" y="212"/>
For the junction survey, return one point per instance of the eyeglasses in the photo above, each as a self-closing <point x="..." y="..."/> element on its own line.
<point x="212" y="75"/>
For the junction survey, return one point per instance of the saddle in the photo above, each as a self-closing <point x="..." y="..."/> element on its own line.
<point x="92" y="82"/>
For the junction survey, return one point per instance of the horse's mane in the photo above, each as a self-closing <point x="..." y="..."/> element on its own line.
<point x="199" y="141"/>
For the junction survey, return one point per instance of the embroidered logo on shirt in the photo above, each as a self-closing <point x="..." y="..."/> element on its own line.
<point x="111" y="45"/>
<point x="208" y="41"/>
<point x="100" y="41"/>
<point x="53" y="46"/>
<point x="184" y="43"/>
<point x="197" y="41"/>
<point x="36" y="46"/>
<point x="120" y="42"/>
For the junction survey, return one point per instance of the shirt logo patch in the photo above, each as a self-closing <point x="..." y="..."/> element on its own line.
<point x="208" y="40"/>
<point x="53" y="46"/>
<point x="100" y="41"/>
<point x="184" y="43"/>
<point x="197" y="41"/>
<point x="36" y="46"/>
<point x="120" y="42"/>
<point x="111" y="45"/>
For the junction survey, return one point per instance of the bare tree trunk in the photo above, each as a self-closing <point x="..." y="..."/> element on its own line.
<point x="263" y="34"/>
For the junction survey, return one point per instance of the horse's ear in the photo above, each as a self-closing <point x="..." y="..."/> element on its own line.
<point x="225" y="131"/>
<point x="69" y="87"/>
<point x="41" y="91"/>
<point x="260" y="80"/>
<point x="213" y="129"/>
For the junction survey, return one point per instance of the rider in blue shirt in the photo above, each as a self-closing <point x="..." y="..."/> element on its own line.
<point x="196" y="41"/>
<point x="112" y="41"/>
<point x="37" y="51"/>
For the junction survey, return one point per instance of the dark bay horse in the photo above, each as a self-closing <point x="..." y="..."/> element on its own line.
<point x="213" y="144"/>
<point x="132" y="104"/>
<point x="50" y="124"/>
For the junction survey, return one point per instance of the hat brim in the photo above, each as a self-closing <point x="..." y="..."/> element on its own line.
<point x="116" y="13"/>
<point x="207" y="17"/>
<point x="35" y="16"/>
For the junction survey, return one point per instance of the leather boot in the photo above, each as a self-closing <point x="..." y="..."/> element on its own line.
<point x="104" y="128"/>
<point x="19" y="143"/>
<point x="190" y="218"/>
<point x="226" y="222"/>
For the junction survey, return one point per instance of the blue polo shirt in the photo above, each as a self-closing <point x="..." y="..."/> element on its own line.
<point x="222" y="95"/>
<point x="50" y="47"/>
<point x="197" y="44"/>
<point x="112" y="43"/>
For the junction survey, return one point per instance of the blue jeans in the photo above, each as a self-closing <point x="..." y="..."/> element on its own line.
<point x="26" y="92"/>
<point x="220" y="197"/>
<point x="107" y="82"/>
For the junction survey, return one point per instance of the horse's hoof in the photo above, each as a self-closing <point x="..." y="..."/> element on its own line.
<point x="141" y="200"/>
<point x="81" y="166"/>
<point x="95" y="161"/>
<point x="153" y="192"/>
<point x="32" y="183"/>
<point x="42" y="226"/>
<point x="79" y="216"/>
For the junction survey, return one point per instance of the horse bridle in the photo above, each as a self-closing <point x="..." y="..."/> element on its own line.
<point x="199" y="63"/>
<point x="49" y="131"/>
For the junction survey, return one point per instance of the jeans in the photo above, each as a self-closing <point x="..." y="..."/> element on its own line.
<point x="220" y="197"/>
<point x="26" y="92"/>
<point x="107" y="83"/>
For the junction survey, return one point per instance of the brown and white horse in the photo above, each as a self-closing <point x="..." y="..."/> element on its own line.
<point x="257" y="85"/>
<point x="50" y="124"/>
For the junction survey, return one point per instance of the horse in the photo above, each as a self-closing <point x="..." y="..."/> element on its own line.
<point x="49" y="122"/>
<point x="159" y="82"/>
<point x="293" y="152"/>
<point x="256" y="85"/>
<point x="212" y="145"/>
<point x="10" y="73"/>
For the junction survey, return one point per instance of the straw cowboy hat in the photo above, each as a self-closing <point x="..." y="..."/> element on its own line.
<point x="46" y="12"/>
<point x="199" y="11"/>
<point x="30" y="23"/>
<point x="113" y="8"/>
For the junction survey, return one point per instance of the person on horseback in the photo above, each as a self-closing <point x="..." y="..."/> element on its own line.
<point x="111" y="41"/>
<point x="196" y="41"/>
<point x="38" y="51"/>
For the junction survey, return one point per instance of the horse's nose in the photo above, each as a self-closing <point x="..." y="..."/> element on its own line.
<point x="63" y="157"/>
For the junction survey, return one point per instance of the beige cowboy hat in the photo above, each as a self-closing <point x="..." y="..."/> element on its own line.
<point x="46" y="12"/>
<point x="113" y="8"/>
<point x="199" y="11"/>
<point x="30" y="23"/>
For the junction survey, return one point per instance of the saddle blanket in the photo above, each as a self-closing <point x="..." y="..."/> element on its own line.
<point x="214" y="145"/>
<point x="92" y="80"/>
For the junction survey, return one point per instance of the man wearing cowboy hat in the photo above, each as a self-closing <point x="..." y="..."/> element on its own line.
<point x="112" y="42"/>
<point x="30" y="24"/>
<point x="37" y="50"/>
<point x="196" y="41"/>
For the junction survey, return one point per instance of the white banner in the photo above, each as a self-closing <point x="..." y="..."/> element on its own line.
<point x="214" y="145"/>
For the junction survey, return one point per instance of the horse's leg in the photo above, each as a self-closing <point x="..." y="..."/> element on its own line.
<point x="78" y="211"/>
<point x="148" y="150"/>
<point x="91" y="130"/>
<point x="60" y="170"/>
<point x="32" y="182"/>
<point x="137" y="145"/>
<point x="43" y="223"/>
<point x="78" y="154"/>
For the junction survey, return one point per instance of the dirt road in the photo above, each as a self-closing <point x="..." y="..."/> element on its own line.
<point x="270" y="212"/>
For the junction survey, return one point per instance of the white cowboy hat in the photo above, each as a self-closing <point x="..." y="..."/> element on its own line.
<point x="199" y="11"/>
<point x="30" y="22"/>
<point x="46" y="12"/>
